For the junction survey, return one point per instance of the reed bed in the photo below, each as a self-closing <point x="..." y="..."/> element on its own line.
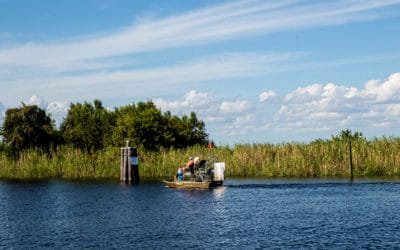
<point x="321" y="158"/>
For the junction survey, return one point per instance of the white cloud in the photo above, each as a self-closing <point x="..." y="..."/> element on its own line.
<point x="35" y="100"/>
<point x="52" y="67"/>
<point x="267" y="95"/>
<point x="191" y="100"/>
<point x="58" y="111"/>
<point x="234" y="106"/>
<point x="316" y="108"/>
<point x="386" y="91"/>
<point x="304" y="94"/>
<point x="331" y="106"/>
<point x="209" y="107"/>
<point x="222" y="116"/>
<point x="322" y="109"/>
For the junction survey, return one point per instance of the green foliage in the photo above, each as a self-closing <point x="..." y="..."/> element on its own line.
<point x="165" y="141"/>
<point x="145" y="125"/>
<point x="347" y="134"/>
<point x="65" y="163"/>
<point x="321" y="158"/>
<point x="194" y="130"/>
<point x="91" y="127"/>
<point x="142" y="124"/>
<point x="185" y="131"/>
<point x="28" y="127"/>
<point x="88" y="127"/>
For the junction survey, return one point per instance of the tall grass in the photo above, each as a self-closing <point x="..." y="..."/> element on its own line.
<point x="376" y="157"/>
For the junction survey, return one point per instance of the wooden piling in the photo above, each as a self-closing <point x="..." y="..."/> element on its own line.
<point x="129" y="167"/>
<point x="134" y="162"/>
<point x="350" y="160"/>
<point x="122" y="166"/>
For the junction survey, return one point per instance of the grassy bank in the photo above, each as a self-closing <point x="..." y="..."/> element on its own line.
<point x="377" y="157"/>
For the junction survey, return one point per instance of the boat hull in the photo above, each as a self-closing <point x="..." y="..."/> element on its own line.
<point x="192" y="184"/>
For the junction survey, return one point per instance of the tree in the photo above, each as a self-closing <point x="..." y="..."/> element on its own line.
<point x="87" y="126"/>
<point x="91" y="127"/>
<point x="347" y="136"/>
<point x="28" y="127"/>
<point x="185" y="131"/>
<point x="145" y="125"/>
<point x="196" y="131"/>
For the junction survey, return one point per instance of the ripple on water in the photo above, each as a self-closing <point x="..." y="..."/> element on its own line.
<point x="242" y="214"/>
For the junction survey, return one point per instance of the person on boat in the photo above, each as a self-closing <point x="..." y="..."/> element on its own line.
<point x="190" y="165"/>
<point x="179" y="174"/>
<point x="196" y="162"/>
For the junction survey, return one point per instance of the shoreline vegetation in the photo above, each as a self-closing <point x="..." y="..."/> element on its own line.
<point x="86" y="147"/>
<point x="320" y="158"/>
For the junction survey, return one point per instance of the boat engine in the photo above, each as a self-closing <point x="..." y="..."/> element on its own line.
<point x="219" y="170"/>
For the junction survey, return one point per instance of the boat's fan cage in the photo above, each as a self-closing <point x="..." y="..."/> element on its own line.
<point x="208" y="170"/>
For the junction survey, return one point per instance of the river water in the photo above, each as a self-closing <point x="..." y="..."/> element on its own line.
<point x="272" y="213"/>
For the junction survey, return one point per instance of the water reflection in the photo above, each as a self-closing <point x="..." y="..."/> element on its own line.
<point x="219" y="206"/>
<point x="218" y="192"/>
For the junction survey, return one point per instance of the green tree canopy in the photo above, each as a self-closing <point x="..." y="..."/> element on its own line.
<point x="142" y="124"/>
<point x="185" y="131"/>
<point x="145" y="125"/>
<point x="347" y="134"/>
<point x="28" y="127"/>
<point x="91" y="127"/>
<point x="87" y="126"/>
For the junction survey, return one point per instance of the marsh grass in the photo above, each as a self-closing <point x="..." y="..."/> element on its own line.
<point x="321" y="158"/>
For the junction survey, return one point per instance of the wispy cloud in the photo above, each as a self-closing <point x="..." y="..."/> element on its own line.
<point x="96" y="65"/>
<point x="207" y="25"/>
<point x="130" y="82"/>
<point x="168" y="79"/>
<point x="139" y="82"/>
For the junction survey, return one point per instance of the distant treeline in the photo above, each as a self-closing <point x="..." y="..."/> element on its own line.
<point x="91" y="127"/>
<point x="319" y="158"/>
<point x="86" y="146"/>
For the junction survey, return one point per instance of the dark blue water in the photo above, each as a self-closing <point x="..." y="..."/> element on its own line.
<point x="243" y="214"/>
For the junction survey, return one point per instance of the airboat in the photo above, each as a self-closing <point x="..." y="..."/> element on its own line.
<point x="206" y="174"/>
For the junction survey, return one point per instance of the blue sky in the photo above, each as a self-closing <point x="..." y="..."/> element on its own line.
<point x="254" y="71"/>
